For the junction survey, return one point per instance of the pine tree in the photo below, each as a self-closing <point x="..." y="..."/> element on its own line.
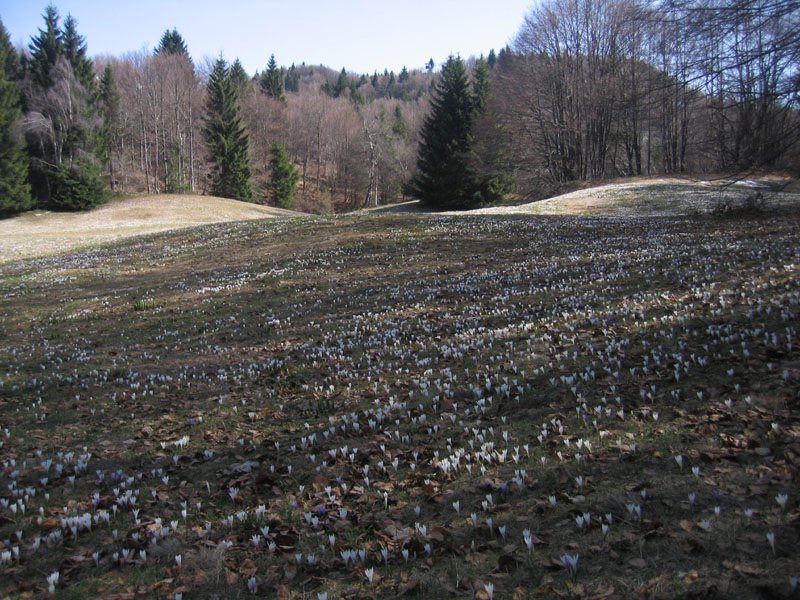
<point x="403" y="77"/>
<point x="444" y="178"/>
<point x="61" y="90"/>
<point x="109" y="108"/>
<point x="9" y="59"/>
<point x="490" y="156"/>
<point x="73" y="48"/>
<point x="228" y="143"/>
<point x="45" y="48"/>
<point x="481" y="85"/>
<point x="239" y="76"/>
<point x="399" y="127"/>
<point x="172" y="43"/>
<point x="15" y="191"/>
<point x="283" y="177"/>
<point x="292" y="83"/>
<point x="492" y="60"/>
<point x="271" y="81"/>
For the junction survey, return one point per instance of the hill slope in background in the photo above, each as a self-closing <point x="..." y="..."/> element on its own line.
<point x="665" y="197"/>
<point x="659" y="197"/>
<point x="41" y="233"/>
<point x="45" y="233"/>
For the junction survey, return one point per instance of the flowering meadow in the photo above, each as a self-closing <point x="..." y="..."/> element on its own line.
<point x="406" y="406"/>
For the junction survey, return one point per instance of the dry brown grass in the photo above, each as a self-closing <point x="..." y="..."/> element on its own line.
<point x="42" y="232"/>
<point x="658" y="197"/>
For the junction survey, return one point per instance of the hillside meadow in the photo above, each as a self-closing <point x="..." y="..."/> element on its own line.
<point x="419" y="406"/>
<point x="44" y="232"/>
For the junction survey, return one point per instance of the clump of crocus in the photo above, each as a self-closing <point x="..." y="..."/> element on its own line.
<point x="570" y="563"/>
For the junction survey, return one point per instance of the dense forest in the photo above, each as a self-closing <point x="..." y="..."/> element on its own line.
<point x="588" y="90"/>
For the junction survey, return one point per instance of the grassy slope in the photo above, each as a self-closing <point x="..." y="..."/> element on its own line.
<point x="38" y="233"/>
<point x="643" y="197"/>
<point x="658" y="197"/>
<point x="562" y="358"/>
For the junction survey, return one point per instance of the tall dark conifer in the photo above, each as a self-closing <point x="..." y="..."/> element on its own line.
<point x="109" y="108"/>
<point x="272" y="82"/>
<point x="172" y="43"/>
<point x="73" y="48"/>
<point x="45" y="48"/>
<point x="60" y="91"/>
<point x="492" y="60"/>
<point x="481" y="85"/>
<point x="490" y="155"/>
<point x="226" y="138"/>
<point x="239" y="77"/>
<point x="292" y="80"/>
<point x="444" y="178"/>
<point x="283" y="177"/>
<point x="15" y="192"/>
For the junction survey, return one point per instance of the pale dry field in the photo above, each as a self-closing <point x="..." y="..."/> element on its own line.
<point x="44" y="233"/>
<point x="664" y="197"/>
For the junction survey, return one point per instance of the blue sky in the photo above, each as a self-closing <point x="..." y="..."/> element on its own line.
<point x="361" y="35"/>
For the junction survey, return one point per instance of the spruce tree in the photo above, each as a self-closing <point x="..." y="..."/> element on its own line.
<point x="444" y="178"/>
<point x="399" y="127"/>
<point x="239" y="76"/>
<point x="283" y="177"/>
<point x="15" y="192"/>
<point x="109" y="108"/>
<point x="172" y="43"/>
<point x="492" y="60"/>
<point x="490" y="156"/>
<point x="228" y="143"/>
<point x="481" y="85"/>
<point x="73" y="48"/>
<point x="292" y="83"/>
<point x="45" y="48"/>
<point x="272" y="82"/>
<point x="64" y="172"/>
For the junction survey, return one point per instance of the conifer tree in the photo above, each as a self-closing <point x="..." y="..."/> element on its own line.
<point x="109" y="108"/>
<point x="73" y="48"/>
<point x="271" y="81"/>
<point x="283" y="177"/>
<point x="492" y="60"/>
<point x="45" y="48"/>
<point x="444" y="178"/>
<point x="228" y="143"/>
<point x="462" y="161"/>
<point x="481" y="85"/>
<point x="399" y="127"/>
<point x="172" y="43"/>
<point x="292" y="83"/>
<point x="15" y="191"/>
<point x="60" y="91"/>
<point x="489" y="156"/>
<point x="239" y="76"/>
